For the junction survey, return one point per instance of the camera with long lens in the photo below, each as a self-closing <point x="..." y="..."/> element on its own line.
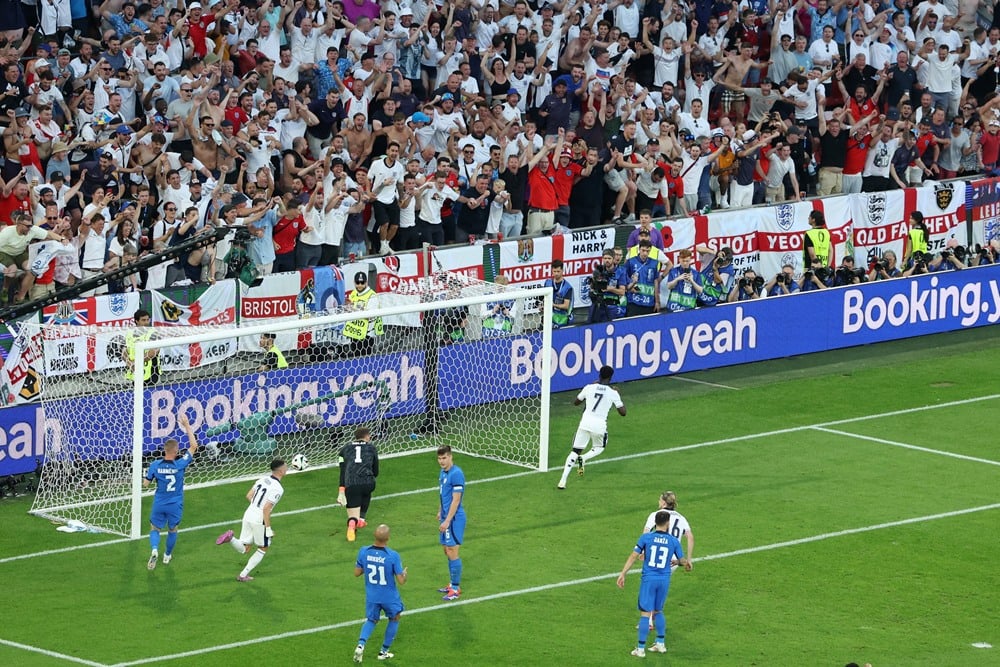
<point x="782" y="279"/>
<point x="985" y="254"/>
<point x="881" y="265"/>
<point x="824" y="273"/>
<point x="920" y="260"/>
<point x="756" y="282"/>
<point x="960" y="252"/>
<point x="599" y="281"/>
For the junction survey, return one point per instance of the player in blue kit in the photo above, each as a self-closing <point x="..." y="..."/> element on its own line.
<point x="452" y="517"/>
<point x="658" y="549"/>
<point x="383" y="570"/>
<point x="168" y="502"/>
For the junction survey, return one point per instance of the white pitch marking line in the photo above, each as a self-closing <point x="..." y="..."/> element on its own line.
<point x="51" y="654"/>
<point x="904" y="445"/>
<point x="564" y="584"/>
<point x="523" y="473"/>
<point x="710" y="384"/>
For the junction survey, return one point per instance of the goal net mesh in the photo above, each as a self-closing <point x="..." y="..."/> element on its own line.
<point x="447" y="367"/>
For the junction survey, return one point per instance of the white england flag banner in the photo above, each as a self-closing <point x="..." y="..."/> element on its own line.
<point x="879" y="226"/>
<point x="216" y="306"/>
<point x="943" y="206"/>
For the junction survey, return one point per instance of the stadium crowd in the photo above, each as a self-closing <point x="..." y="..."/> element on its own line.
<point x="329" y="130"/>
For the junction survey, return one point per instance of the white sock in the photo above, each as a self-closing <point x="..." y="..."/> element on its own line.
<point x="568" y="468"/>
<point x="254" y="561"/>
<point x="238" y="546"/>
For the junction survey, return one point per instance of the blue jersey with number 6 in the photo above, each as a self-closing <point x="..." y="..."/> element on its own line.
<point x="659" y="549"/>
<point x="169" y="476"/>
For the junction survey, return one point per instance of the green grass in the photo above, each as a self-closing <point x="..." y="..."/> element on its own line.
<point x="918" y="593"/>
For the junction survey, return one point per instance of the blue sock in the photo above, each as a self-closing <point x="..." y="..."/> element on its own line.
<point x="154" y="540"/>
<point x="455" y="570"/>
<point x="171" y="541"/>
<point x="660" y="621"/>
<point x="643" y="631"/>
<point x="366" y="631"/>
<point x="390" y="634"/>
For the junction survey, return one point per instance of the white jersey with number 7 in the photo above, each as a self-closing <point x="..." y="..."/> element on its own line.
<point x="599" y="399"/>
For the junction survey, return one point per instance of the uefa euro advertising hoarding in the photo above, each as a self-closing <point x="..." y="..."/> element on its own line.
<point x="638" y="348"/>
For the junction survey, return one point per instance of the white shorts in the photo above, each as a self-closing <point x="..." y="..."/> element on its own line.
<point x="253" y="533"/>
<point x="615" y="179"/>
<point x="594" y="438"/>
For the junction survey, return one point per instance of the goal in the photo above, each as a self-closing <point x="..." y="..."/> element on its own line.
<point x="448" y="368"/>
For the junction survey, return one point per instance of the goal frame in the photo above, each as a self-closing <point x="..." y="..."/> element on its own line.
<point x="545" y="294"/>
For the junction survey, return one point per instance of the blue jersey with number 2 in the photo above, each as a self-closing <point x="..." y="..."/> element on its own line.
<point x="169" y="476"/>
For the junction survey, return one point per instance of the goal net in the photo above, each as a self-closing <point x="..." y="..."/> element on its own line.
<point x="442" y="362"/>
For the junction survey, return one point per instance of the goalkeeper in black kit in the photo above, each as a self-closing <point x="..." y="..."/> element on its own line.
<point x="358" y="470"/>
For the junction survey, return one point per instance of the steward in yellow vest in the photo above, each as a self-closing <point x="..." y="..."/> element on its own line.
<point x="151" y="359"/>
<point x="362" y="332"/>
<point x="816" y="243"/>
<point x="273" y="357"/>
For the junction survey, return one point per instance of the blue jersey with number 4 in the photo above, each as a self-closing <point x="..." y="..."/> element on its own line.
<point x="169" y="476"/>
<point x="659" y="549"/>
<point x="380" y="565"/>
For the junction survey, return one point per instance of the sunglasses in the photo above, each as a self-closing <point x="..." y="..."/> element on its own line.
<point x="170" y="208"/>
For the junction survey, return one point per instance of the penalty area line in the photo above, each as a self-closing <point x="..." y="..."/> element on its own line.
<point x="524" y="473"/>
<point x="50" y="654"/>
<point x="904" y="445"/>
<point x="704" y="382"/>
<point x="560" y="584"/>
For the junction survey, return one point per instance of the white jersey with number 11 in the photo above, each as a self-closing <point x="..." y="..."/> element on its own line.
<point x="599" y="398"/>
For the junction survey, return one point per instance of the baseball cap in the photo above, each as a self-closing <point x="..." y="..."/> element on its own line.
<point x="994" y="122"/>
<point x="159" y="119"/>
<point x="337" y="160"/>
<point x="405" y="11"/>
<point x="567" y="153"/>
<point x="21" y="112"/>
<point x="717" y="132"/>
<point x="123" y="129"/>
<point x="227" y="123"/>
<point x="420" y="117"/>
<point x="512" y="91"/>
<point x="749" y="135"/>
<point x="56" y="176"/>
<point x="194" y="5"/>
<point x="447" y="96"/>
<point x="360" y="277"/>
<point x="64" y="52"/>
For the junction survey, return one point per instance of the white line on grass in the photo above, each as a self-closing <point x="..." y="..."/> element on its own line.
<point x="904" y="445"/>
<point x="523" y="473"/>
<point x="710" y="384"/>
<point x="51" y="654"/>
<point x="560" y="584"/>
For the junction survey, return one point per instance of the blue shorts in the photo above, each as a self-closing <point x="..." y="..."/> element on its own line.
<point x="456" y="531"/>
<point x="653" y="593"/>
<point x="391" y="610"/>
<point x="169" y="516"/>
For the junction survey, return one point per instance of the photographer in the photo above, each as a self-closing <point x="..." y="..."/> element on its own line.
<point x="783" y="283"/>
<point x="684" y="283"/>
<point x="885" y="268"/>
<point x="918" y="264"/>
<point x="607" y="290"/>
<point x="952" y="258"/>
<point x="847" y="274"/>
<point x="816" y="277"/>
<point x="987" y="254"/>
<point x="717" y="276"/>
<point x="749" y="287"/>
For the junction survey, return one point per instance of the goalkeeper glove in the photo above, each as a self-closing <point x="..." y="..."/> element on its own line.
<point x="342" y="498"/>
<point x="268" y="532"/>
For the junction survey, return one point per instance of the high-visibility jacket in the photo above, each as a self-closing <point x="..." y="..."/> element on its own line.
<point x="359" y="329"/>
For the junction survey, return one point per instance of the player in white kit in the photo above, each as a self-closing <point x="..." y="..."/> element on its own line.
<point x="599" y="397"/>
<point x="262" y="496"/>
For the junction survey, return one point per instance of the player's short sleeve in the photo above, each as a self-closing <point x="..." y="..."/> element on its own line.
<point x="616" y="399"/>
<point x="397" y="563"/>
<point x="457" y="480"/>
<point x="582" y="396"/>
<point x="640" y="545"/>
<point x="361" y="557"/>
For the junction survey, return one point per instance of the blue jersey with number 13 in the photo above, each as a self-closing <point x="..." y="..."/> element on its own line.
<point x="660" y="549"/>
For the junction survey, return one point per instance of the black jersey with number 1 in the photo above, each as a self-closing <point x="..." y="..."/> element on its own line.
<point x="358" y="464"/>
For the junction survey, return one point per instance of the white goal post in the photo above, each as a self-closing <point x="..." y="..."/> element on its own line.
<point x="442" y="371"/>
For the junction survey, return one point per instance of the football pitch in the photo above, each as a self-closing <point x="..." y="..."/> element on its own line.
<point x="846" y="507"/>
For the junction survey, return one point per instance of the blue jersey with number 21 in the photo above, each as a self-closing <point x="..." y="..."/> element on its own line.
<point x="169" y="476"/>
